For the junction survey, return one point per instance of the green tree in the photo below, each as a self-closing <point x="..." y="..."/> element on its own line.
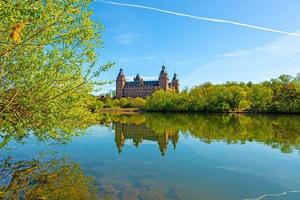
<point x="158" y="101"/>
<point x="123" y="103"/>
<point x="236" y="94"/>
<point x="197" y="99"/>
<point x="44" y="87"/>
<point x="136" y="102"/>
<point x="260" y="98"/>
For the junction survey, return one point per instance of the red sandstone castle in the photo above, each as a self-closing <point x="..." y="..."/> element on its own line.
<point x="140" y="88"/>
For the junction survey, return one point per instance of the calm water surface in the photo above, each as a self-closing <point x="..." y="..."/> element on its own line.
<point x="179" y="156"/>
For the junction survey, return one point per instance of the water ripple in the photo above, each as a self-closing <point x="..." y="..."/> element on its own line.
<point x="273" y="195"/>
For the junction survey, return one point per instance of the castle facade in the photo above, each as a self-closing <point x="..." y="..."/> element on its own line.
<point x="140" y="88"/>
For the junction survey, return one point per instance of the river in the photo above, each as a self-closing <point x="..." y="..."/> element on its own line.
<point x="162" y="156"/>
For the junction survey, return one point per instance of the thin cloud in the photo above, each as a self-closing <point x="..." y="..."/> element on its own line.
<point x="127" y="38"/>
<point x="216" y="20"/>
<point x="232" y="54"/>
<point x="281" y="56"/>
<point x="126" y="60"/>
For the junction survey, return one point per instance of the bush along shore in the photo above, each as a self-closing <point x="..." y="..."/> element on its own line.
<point x="281" y="95"/>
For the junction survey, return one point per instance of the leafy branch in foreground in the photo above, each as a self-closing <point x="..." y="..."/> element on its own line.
<point x="48" y="52"/>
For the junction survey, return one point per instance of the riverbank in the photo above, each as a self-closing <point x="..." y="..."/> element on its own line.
<point x="139" y="110"/>
<point x="120" y="110"/>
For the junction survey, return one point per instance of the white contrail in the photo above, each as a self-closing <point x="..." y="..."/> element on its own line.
<point x="198" y="17"/>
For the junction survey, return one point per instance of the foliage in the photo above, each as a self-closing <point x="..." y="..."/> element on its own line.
<point x="47" y="67"/>
<point x="280" y="95"/>
<point x="108" y="102"/>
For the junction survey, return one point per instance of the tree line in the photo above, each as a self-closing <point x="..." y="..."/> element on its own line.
<point x="280" y="95"/>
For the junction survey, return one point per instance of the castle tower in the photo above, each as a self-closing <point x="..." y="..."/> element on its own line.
<point x="163" y="141"/>
<point x="163" y="79"/>
<point x="175" y="83"/>
<point x="119" y="137"/>
<point x="120" y="83"/>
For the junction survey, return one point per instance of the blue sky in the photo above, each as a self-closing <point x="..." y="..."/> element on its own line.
<point x="141" y="40"/>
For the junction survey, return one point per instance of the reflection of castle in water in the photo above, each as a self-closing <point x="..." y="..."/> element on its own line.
<point x="139" y="133"/>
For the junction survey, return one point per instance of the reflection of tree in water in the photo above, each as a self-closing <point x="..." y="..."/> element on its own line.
<point x="278" y="131"/>
<point x="38" y="179"/>
<point x="57" y="129"/>
<point x="140" y="132"/>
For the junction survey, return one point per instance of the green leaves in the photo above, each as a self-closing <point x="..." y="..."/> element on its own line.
<point x="280" y="95"/>
<point x="44" y="50"/>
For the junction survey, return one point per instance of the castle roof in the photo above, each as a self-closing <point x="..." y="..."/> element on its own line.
<point x="146" y="83"/>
